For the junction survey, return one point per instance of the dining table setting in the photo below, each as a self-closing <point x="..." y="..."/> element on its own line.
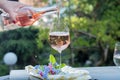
<point x="60" y="36"/>
<point x="95" y="73"/>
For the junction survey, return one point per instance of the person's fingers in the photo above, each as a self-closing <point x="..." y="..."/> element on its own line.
<point x="12" y="9"/>
<point x="12" y="16"/>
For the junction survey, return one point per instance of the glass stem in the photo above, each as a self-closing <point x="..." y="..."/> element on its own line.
<point x="60" y="60"/>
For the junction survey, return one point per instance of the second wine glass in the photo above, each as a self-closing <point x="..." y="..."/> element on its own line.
<point x="59" y="37"/>
<point x="116" y="55"/>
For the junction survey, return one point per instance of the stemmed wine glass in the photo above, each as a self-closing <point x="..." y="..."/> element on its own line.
<point x="59" y="37"/>
<point x="116" y="55"/>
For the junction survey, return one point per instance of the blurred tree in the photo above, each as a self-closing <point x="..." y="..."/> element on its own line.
<point x="21" y="42"/>
<point x="94" y="27"/>
<point x="36" y="3"/>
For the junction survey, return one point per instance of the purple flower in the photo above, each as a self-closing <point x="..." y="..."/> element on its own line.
<point x="46" y="69"/>
<point x="45" y="75"/>
<point x="37" y="66"/>
<point x="55" y="71"/>
<point x="40" y="73"/>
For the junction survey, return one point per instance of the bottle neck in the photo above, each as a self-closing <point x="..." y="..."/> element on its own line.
<point x="46" y="10"/>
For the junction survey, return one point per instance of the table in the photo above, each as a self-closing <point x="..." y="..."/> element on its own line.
<point x="104" y="73"/>
<point x="97" y="73"/>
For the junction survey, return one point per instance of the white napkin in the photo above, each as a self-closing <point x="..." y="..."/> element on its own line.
<point x="67" y="73"/>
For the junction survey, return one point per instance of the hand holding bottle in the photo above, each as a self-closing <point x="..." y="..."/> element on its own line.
<point x="27" y="15"/>
<point x="11" y="7"/>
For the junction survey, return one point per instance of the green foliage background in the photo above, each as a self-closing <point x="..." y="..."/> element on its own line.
<point x="94" y="28"/>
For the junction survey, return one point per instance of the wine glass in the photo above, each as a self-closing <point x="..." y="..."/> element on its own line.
<point x="59" y="37"/>
<point x="116" y="55"/>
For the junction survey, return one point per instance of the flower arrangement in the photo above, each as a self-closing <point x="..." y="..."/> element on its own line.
<point x="44" y="70"/>
<point x="54" y="71"/>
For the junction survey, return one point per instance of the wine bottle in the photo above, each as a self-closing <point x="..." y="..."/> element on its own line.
<point x="26" y="16"/>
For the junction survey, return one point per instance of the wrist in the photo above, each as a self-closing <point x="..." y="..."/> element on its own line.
<point x="2" y="3"/>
